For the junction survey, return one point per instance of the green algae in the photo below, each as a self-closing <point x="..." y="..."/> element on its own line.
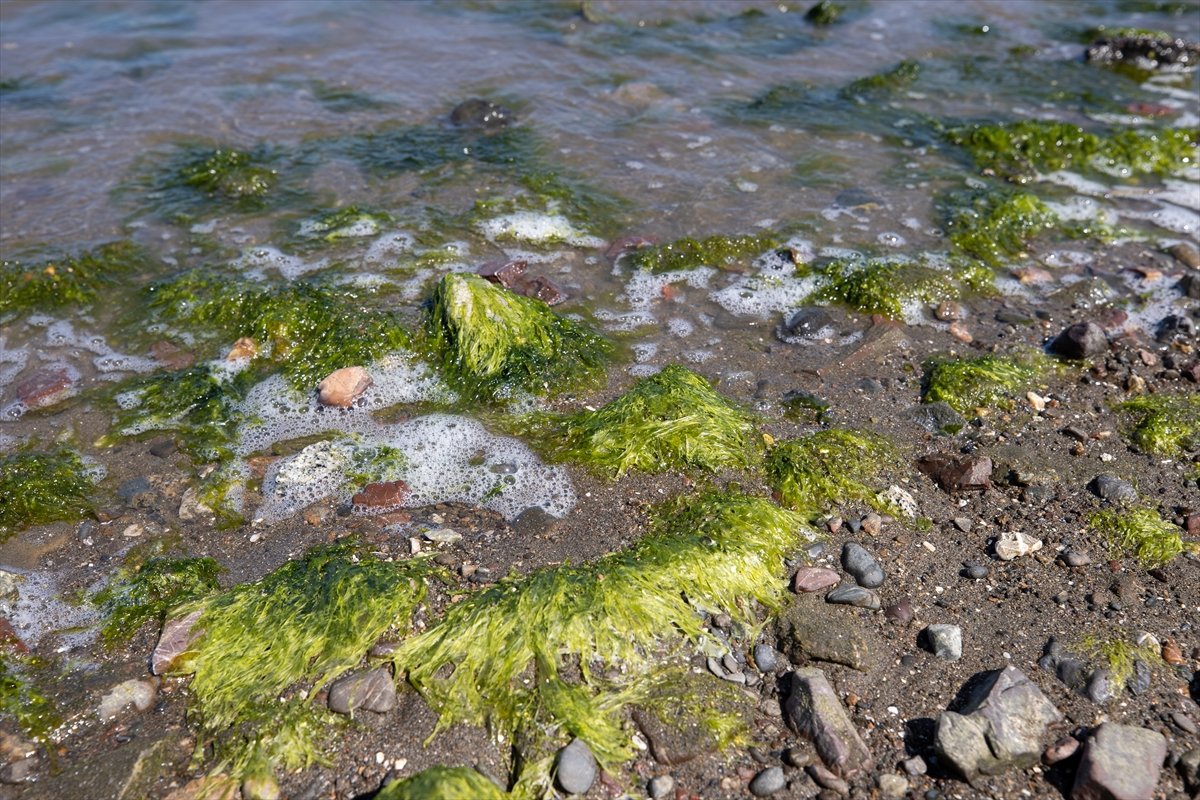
<point x="229" y="174"/>
<point x="1143" y="534"/>
<point x="830" y="467"/>
<point x="307" y="329"/>
<point x="1166" y="425"/>
<point x="879" y="286"/>
<point x="341" y="99"/>
<point x="1020" y="150"/>
<point x="985" y="381"/>
<point x="443" y="783"/>
<point x="347" y="222"/>
<point x="995" y="226"/>
<point x="306" y="622"/>
<point x="558" y="193"/>
<point x="496" y="657"/>
<point x="722" y="252"/>
<point x="1119" y="655"/>
<point x="73" y="281"/>
<point x="151" y="592"/>
<point x="493" y="342"/>
<point x="431" y="148"/>
<point x="903" y="74"/>
<point x="671" y="420"/>
<point x="41" y="487"/>
<point x="201" y="404"/>
<point x="826" y="12"/>
<point x="20" y="700"/>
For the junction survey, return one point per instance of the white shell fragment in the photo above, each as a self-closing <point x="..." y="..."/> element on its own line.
<point x="1012" y="544"/>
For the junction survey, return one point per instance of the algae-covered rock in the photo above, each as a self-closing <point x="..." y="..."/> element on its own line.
<point x="1167" y="425"/>
<point x="71" y="281"/>
<point x="151" y="591"/>
<point x="722" y="252"/>
<point x="443" y="783"/>
<point x="671" y="420"/>
<point x="495" y="342"/>
<point x="695" y="715"/>
<point x="970" y="383"/>
<point x="40" y="487"/>
<point x="1141" y="533"/>
<point x="831" y="466"/>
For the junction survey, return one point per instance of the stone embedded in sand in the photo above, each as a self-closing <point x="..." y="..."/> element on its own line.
<point x="373" y="690"/>
<point x="814" y="710"/>
<point x="814" y="579"/>
<point x="244" y="347"/>
<point x="47" y="386"/>
<point x="1012" y="544"/>
<point x="383" y="494"/>
<point x="954" y="474"/>
<point x="343" y="386"/>
<point x="1081" y="340"/>
<point x="1120" y="762"/>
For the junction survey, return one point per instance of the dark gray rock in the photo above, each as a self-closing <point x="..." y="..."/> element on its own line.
<point x="939" y="417"/>
<point x="1000" y="727"/>
<point x="1190" y="285"/>
<point x="576" y="768"/>
<point x="1113" y="489"/>
<point x="862" y="565"/>
<point x="130" y="489"/>
<point x="369" y="691"/>
<point x="1100" y="686"/>
<point x="1146" y="50"/>
<point x="1175" y="327"/>
<point x="480" y="114"/>
<point x="768" y="782"/>
<point x="766" y="658"/>
<point x="853" y="596"/>
<point x="815" y="712"/>
<point x="809" y="628"/>
<point x="1120" y="762"/>
<point x="1139" y="681"/>
<point x="1072" y="672"/>
<point x="1081" y="340"/>
<point x="944" y="641"/>
<point x="976" y="571"/>
<point x="810" y="322"/>
<point x="1188" y="767"/>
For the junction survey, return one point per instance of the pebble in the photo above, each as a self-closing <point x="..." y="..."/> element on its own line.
<point x="1076" y="558"/>
<point x="371" y="691"/>
<point x="1120" y="762"/>
<point x="955" y="474"/>
<point x="661" y="786"/>
<point x="443" y="536"/>
<point x="343" y="386"/>
<point x="1072" y="672"/>
<point x="915" y="766"/>
<point x="853" y="596"/>
<point x="1081" y="340"/>
<point x="862" y="565"/>
<point x="768" y="782"/>
<point x="1061" y="750"/>
<point x="964" y="524"/>
<point x="766" y="658"/>
<point x="137" y="693"/>
<point x="900" y="612"/>
<point x="827" y="779"/>
<point x="945" y="641"/>
<point x="1186" y="254"/>
<point x="1100" y="686"/>
<point x="1139" y="681"/>
<point x="1184" y="722"/>
<point x="892" y="786"/>
<point x="872" y="524"/>
<point x="814" y="579"/>
<point x="976" y="571"/>
<point x="576" y="768"/>
<point x="383" y="494"/>
<point x="1013" y="544"/>
<point x="1113" y="489"/>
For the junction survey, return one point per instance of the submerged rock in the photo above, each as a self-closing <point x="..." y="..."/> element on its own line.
<point x="343" y="386"/>
<point x="936" y="417"/>
<point x="480" y="114"/>
<point x="383" y="494"/>
<point x="1145" y="49"/>
<point x="1120" y="762"/>
<point x="137" y="693"/>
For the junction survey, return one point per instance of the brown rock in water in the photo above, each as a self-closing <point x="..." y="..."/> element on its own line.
<point x="10" y="640"/>
<point x="171" y="356"/>
<point x="506" y="273"/>
<point x="381" y="495"/>
<point x="47" y="386"/>
<point x="244" y="347"/>
<point x="626" y="244"/>
<point x="343" y="386"/>
<point x="543" y="289"/>
<point x="954" y="474"/>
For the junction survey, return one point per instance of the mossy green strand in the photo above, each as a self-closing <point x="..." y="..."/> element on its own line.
<point x="721" y="252"/>
<point x="151" y="591"/>
<point x="493" y="342"/>
<point x="307" y="622"/>
<point x="40" y="487"/>
<point x="969" y="383"/>
<point x="1141" y="533"/>
<point x="622" y="615"/>
<point x="878" y="286"/>
<point x="1166" y="425"/>
<point x="1119" y="655"/>
<point x="837" y="465"/>
<point x="1020" y="150"/>
<point x="671" y="420"/>
<point x="75" y="281"/>
<point x="443" y="783"/>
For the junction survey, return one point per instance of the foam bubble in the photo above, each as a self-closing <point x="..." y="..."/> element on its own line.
<point x="387" y="247"/>
<point x="680" y="327"/>
<point x="257" y="260"/>
<point x="537" y="228"/>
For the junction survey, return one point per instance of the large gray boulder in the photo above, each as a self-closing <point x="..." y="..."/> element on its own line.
<point x="815" y="712"/>
<point x="1001" y="727"/>
<point x="1120" y="762"/>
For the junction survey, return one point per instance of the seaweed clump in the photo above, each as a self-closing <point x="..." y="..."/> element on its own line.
<point x="994" y="226"/>
<point x="308" y="329"/>
<point x="69" y="281"/>
<point x="151" y="591"/>
<point x="1120" y="656"/>
<point x="495" y="341"/>
<point x="43" y="487"/>
<point x="1142" y="533"/>
<point x="831" y="466"/>
<point x="825" y="12"/>
<point x="1167" y="425"/>
<point x="34" y="713"/>
<point x="344" y="223"/>
<point x="903" y="74"/>
<point x="307" y="622"/>
<point x="443" y="783"/>
<point x="884" y="287"/>
<point x="722" y="252"/>
<point x="230" y="174"/>
<point x="1020" y="150"/>
<point x="671" y="420"/>
<point x="970" y="383"/>
<point x="617" y="618"/>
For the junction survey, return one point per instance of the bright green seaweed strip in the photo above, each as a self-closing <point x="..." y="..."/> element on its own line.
<point x="308" y="330"/>
<point x="1167" y="425"/>
<point x="1141" y="533"/>
<point x="1020" y="150"/>
<point x="36" y="488"/>
<point x="671" y="420"/>
<point x="624" y="611"/>
<point x="35" y="715"/>
<point x="884" y="286"/>
<point x="970" y="383"/>
<point x="152" y="591"/>
<point x="443" y="783"/>
<point x="1119" y="655"/>
<point x="996" y="225"/>
<point x="70" y="281"/>
<point x="495" y="342"/>
<point x="307" y="622"/>
<point x="830" y="466"/>
<point x="722" y="252"/>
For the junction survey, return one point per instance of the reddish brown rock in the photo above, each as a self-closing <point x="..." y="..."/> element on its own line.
<point x="177" y="636"/>
<point x="171" y="356"/>
<point x="343" y="386"/>
<point x="244" y="347"/>
<point x="543" y="289"/>
<point x="954" y="474"/>
<point x="47" y="386"/>
<point x="814" y="579"/>
<point x="381" y="495"/>
<point x="506" y="273"/>
<point x="10" y="640"/>
<point x="626" y="244"/>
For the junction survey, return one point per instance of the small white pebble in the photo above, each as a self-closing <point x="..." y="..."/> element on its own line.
<point x="929" y="546"/>
<point x="893" y="711"/>
<point x="1106" y="457"/>
<point x="379" y="756"/>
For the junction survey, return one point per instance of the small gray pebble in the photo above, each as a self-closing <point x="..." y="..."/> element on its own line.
<point x="862" y="565"/>
<point x="944" y="641"/>
<point x="1184" y="722"/>
<point x="768" y="782"/>
<point x="765" y="657"/>
<point x="661" y="786"/>
<point x="1139" y="682"/>
<point x="1076" y="558"/>
<point x="576" y="768"/>
<point x="915" y="766"/>
<point x="853" y="596"/>
<point x="977" y="572"/>
<point x="1100" y="686"/>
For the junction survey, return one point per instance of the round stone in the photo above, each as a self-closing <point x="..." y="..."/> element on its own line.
<point x="768" y="782"/>
<point x="576" y="768"/>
